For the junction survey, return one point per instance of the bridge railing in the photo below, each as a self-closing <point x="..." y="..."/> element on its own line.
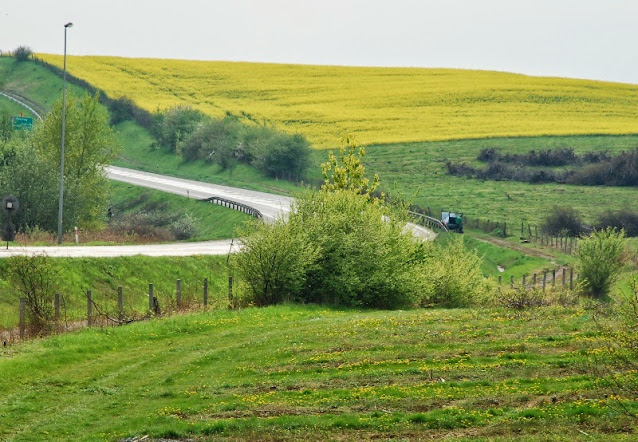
<point x="235" y="206"/>
<point x="427" y="221"/>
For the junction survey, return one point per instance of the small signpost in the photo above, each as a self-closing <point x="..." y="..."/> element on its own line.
<point x="20" y="123"/>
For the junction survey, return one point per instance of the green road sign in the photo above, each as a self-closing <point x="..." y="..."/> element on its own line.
<point x="23" y="123"/>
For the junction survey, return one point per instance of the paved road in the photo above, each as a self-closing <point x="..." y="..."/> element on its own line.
<point x="270" y="205"/>
<point x="221" y="247"/>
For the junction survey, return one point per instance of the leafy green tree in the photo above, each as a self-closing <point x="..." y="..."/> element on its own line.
<point x="347" y="172"/>
<point x="31" y="166"/>
<point x="600" y="261"/>
<point x="175" y="124"/>
<point x="282" y="155"/>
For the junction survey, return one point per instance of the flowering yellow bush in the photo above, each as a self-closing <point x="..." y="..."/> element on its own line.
<point x="383" y="105"/>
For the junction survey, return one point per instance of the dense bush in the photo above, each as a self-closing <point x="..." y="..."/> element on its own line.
<point x="563" y="221"/>
<point x="621" y="170"/>
<point x="342" y="246"/>
<point x="600" y="261"/>
<point x="121" y="109"/>
<point x="175" y="124"/>
<point x="282" y="156"/>
<point x="563" y="156"/>
<point x="22" y="53"/>
<point x="227" y="142"/>
<point x="623" y="219"/>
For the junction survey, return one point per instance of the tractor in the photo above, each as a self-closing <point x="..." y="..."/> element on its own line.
<point x="452" y="221"/>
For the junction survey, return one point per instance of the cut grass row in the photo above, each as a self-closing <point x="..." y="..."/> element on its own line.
<point x="315" y="373"/>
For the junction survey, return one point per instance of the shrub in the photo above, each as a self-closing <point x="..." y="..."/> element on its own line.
<point x="22" y="53"/>
<point x="274" y="261"/>
<point x="343" y="246"/>
<point x="563" y="221"/>
<point x="122" y="109"/>
<point x="452" y="276"/>
<point x="621" y="170"/>
<point x="35" y="279"/>
<point x="214" y="141"/>
<point x="599" y="261"/>
<point x="283" y="156"/>
<point x="175" y="124"/>
<point x="623" y="219"/>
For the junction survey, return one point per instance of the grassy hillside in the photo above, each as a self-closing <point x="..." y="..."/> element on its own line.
<point x="315" y="374"/>
<point x="382" y="105"/>
<point x="11" y="108"/>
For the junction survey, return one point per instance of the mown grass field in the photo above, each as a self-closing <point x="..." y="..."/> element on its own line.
<point x="315" y="373"/>
<point x="381" y="105"/>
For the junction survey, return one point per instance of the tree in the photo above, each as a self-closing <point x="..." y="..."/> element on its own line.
<point x="347" y="172"/>
<point x="600" y="261"/>
<point x="31" y="167"/>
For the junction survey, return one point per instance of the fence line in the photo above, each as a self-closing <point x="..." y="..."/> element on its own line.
<point x="102" y="315"/>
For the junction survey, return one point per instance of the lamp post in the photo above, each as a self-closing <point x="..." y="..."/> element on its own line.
<point x="61" y="199"/>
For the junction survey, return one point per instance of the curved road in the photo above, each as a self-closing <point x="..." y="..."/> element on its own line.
<point x="270" y="205"/>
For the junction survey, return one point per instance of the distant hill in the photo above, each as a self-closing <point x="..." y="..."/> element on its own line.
<point x="381" y="105"/>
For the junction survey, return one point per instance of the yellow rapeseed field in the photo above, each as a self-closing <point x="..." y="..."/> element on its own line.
<point x="380" y="105"/>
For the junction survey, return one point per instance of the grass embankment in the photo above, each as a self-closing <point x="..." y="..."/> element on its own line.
<point x="383" y="105"/>
<point x="74" y="276"/>
<point x="211" y="221"/>
<point x="315" y="373"/>
<point x="11" y="108"/>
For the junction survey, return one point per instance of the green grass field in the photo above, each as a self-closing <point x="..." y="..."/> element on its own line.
<point x="314" y="373"/>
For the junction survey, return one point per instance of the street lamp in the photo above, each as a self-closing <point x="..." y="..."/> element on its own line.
<point x="61" y="200"/>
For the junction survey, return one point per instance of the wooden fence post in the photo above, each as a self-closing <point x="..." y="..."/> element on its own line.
<point x="522" y="226"/>
<point x="230" y="290"/>
<point x="151" y="298"/>
<point x="571" y="279"/>
<point x="534" y="279"/>
<point x="120" y="303"/>
<point x="178" y="293"/>
<point x="499" y="279"/>
<point x="56" y="307"/>
<point x="553" y="277"/>
<point x="524" y="280"/>
<point x="23" y="324"/>
<point x="504" y="229"/>
<point x="512" y="281"/>
<point x="89" y="308"/>
<point x="563" y="276"/>
<point x="205" y="291"/>
<point x="544" y="280"/>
